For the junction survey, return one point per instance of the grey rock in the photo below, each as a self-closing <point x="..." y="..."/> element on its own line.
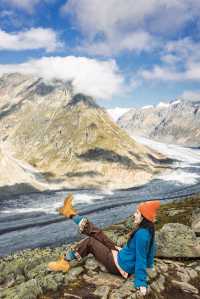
<point x="127" y="289"/>
<point x="116" y="295"/>
<point x="183" y="275"/>
<point x="186" y="244"/>
<point x="102" y="291"/>
<point x="152" y="273"/>
<point x="74" y="273"/>
<point x="91" y="264"/>
<point x="174" y="212"/>
<point x="51" y="282"/>
<point x="197" y="268"/>
<point x="155" y="287"/>
<point x="105" y="279"/>
<point x="91" y="273"/>
<point x="161" y="282"/>
<point x="132" y="296"/>
<point x="27" y="290"/>
<point x="196" y="221"/>
<point x="192" y="273"/>
<point x="19" y="279"/>
<point x="103" y="268"/>
<point x="40" y="269"/>
<point x="10" y="280"/>
<point x="163" y="267"/>
<point x="185" y="287"/>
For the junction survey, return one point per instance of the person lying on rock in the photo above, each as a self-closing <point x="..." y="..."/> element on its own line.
<point x="134" y="258"/>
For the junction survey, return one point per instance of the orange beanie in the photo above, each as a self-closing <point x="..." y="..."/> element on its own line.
<point x="149" y="209"/>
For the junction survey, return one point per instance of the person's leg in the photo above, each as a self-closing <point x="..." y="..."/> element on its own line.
<point x="88" y="228"/>
<point x="102" y="253"/>
<point x="85" y="226"/>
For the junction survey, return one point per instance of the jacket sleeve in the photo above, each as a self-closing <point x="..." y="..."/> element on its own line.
<point x="140" y="278"/>
<point x="150" y="260"/>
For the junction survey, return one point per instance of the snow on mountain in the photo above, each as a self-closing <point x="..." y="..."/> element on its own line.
<point x="115" y="113"/>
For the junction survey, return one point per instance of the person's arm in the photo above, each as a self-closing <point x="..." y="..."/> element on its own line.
<point x="141" y="244"/>
<point x="150" y="260"/>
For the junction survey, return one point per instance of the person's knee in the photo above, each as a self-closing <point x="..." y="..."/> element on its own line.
<point x="91" y="240"/>
<point x="93" y="244"/>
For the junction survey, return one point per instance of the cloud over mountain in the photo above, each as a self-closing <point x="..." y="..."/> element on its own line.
<point x="100" y="79"/>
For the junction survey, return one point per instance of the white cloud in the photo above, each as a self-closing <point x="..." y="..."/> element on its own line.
<point x="136" y="41"/>
<point x="27" y="5"/>
<point x="184" y="49"/>
<point x="191" y="95"/>
<point x="94" y="16"/>
<point x="109" y="27"/>
<point x="181" y="62"/>
<point x="170" y="59"/>
<point x="100" y="79"/>
<point x="190" y="73"/>
<point x="113" y="25"/>
<point x="34" y="38"/>
<point x="161" y="73"/>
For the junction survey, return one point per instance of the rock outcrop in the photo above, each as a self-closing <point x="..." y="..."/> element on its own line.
<point x="66" y="139"/>
<point x="176" y="122"/>
<point x="186" y="245"/>
<point x="24" y="275"/>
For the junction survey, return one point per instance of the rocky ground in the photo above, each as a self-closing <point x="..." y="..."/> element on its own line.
<point x="24" y="275"/>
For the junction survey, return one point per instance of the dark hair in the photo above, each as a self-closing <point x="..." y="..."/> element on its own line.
<point x="145" y="223"/>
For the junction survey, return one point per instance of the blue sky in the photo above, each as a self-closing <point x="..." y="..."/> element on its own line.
<point x="125" y="53"/>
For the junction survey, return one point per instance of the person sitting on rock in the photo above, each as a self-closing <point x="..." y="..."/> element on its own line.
<point x="134" y="258"/>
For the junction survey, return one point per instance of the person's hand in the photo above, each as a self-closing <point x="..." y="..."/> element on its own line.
<point x="142" y="291"/>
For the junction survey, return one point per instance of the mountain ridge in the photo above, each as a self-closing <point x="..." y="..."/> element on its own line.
<point x="68" y="139"/>
<point x="175" y="122"/>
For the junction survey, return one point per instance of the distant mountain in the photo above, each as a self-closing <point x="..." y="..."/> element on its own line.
<point x="117" y="112"/>
<point x="57" y="139"/>
<point x="174" y="122"/>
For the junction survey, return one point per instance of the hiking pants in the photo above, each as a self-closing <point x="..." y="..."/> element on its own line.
<point x="99" y="245"/>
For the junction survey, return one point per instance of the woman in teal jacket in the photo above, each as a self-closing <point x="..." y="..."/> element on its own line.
<point x="134" y="258"/>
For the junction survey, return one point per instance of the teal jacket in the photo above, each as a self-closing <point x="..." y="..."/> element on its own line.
<point x="134" y="259"/>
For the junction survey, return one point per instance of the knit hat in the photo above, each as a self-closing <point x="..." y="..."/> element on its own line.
<point x="149" y="209"/>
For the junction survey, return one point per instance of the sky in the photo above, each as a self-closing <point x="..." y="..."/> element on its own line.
<point x="124" y="53"/>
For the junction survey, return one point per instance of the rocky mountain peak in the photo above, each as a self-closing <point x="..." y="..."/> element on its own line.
<point x="177" y="122"/>
<point x="84" y="99"/>
<point x="68" y="139"/>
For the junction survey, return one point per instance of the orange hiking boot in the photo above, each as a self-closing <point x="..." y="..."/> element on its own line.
<point x="67" y="210"/>
<point x="60" y="265"/>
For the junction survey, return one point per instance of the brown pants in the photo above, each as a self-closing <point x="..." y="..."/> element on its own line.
<point x="99" y="245"/>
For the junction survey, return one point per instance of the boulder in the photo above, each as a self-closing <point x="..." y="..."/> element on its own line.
<point x="196" y="221"/>
<point x="102" y="292"/>
<point x="185" y="287"/>
<point x="177" y="240"/>
<point x="105" y="279"/>
<point x="27" y="290"/>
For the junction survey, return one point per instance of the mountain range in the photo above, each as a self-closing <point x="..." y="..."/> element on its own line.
<point x="52" y="138"/>
<point x="175" y="122"/>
